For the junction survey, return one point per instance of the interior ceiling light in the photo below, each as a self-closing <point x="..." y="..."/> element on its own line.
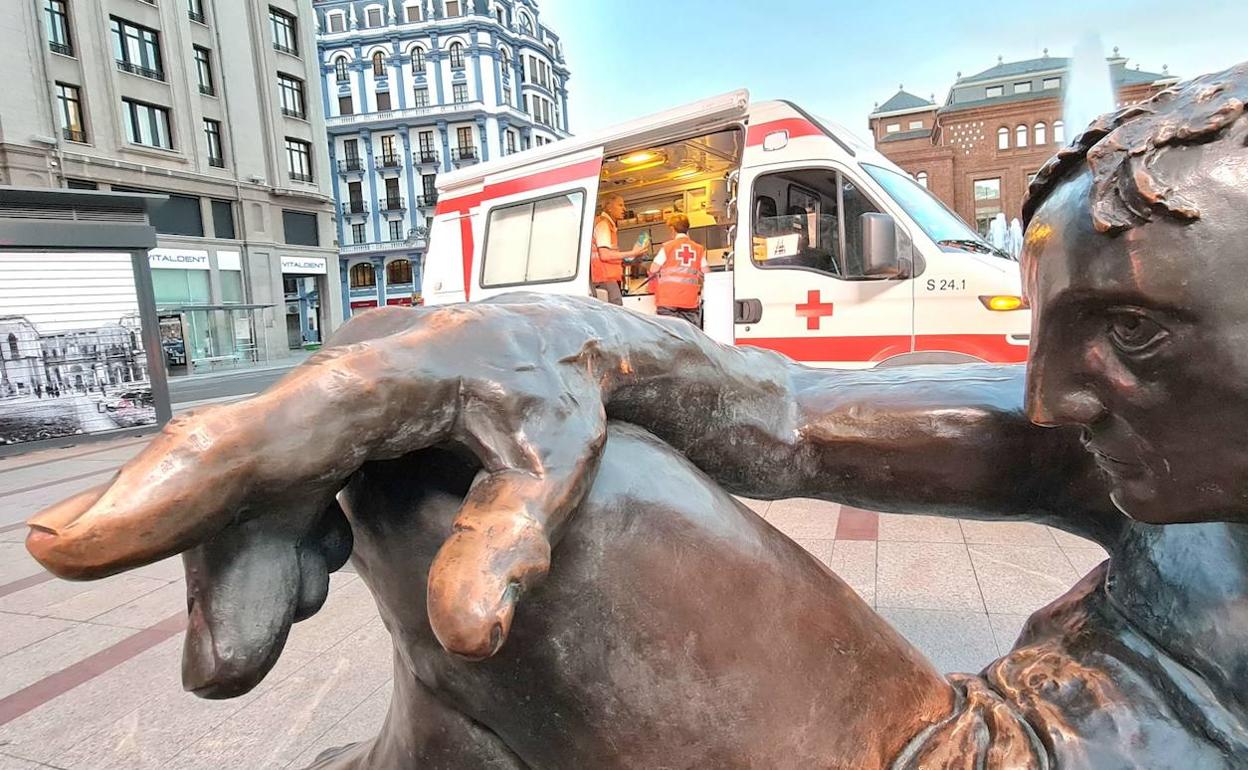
<point x="638" y="158"/>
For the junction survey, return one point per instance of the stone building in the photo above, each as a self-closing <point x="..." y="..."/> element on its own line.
<point x="979" y="150"/>
<point x="214" y="103"/>
<point x="413" y="88"/>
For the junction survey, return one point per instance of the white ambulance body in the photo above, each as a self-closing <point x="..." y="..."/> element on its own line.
<point x="820" y="247"/>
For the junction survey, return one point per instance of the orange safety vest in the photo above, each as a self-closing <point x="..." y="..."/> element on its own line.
<point x="601" y="271"/>
<point x="680" y="276"/>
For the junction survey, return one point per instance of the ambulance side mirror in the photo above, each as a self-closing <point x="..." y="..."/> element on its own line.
<point x="879" y="246"/>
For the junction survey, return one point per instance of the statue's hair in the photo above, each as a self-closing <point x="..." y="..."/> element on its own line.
<point x="1121" y="147"/>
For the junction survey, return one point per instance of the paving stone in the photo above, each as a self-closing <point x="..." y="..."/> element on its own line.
<point x="1007" y="532"/>
<point x="1020" y="579"/>
<point x="1084" y="560"/>
<point x="362" y="723"/>
<point x="919" y="529"/>
<point x="758" y="506"/>
<point x="953" y="641"/>
<point x="926" y="576"/>
<point x="21" y="630"/>
<point x="1005" y="629"/>
<point x="855" y="562"/>
<point x="1067" y="540"/>
<point x="33" y="662"/>
<point x="79" y="601"/>
<point x="147" y="610"/>
<point x="16" y="562"/>
<point x="819" y="548"/>
<point x="802" y="518"/>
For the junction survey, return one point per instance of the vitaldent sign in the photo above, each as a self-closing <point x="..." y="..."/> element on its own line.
<point x="178" y="259"/>
<point x="303" y="265"/>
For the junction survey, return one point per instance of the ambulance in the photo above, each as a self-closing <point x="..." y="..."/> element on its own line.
<point x="820" y="248"/>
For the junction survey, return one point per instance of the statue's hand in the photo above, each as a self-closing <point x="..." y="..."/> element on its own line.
<point x="393" y="382"/>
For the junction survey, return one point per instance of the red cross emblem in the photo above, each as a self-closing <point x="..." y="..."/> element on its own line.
<point x="685" y="255"/>
<point x="813" y="310"/>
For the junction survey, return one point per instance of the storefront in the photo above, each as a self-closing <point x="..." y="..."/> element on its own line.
<point x="302" y="285"/>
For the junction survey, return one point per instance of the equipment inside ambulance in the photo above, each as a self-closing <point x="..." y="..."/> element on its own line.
<point x="818" y="247"/>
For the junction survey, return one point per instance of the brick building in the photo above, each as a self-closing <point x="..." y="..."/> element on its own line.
<point x="979" y="150"/>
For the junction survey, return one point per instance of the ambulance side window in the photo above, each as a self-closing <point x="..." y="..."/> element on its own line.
<point x="533" y="242"/>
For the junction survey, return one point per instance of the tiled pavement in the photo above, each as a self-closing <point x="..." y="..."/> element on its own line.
<point x="89" y="672"/>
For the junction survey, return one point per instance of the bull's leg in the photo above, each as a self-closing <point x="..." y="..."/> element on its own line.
<point x="422" y="733"/>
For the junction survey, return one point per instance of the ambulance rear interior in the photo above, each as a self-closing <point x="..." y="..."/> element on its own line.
<point x="795" y="215"/>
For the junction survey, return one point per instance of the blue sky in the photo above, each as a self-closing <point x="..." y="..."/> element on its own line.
<point x="631" y="57"/>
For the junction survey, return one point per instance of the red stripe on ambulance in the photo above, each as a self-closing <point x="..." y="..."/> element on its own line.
<point x="994" y="348"/>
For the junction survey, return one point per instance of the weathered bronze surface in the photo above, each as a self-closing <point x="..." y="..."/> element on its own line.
<point x="450" y="452"/>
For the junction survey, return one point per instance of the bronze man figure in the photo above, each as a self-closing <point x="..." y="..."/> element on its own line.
<point x="457" y="448"/>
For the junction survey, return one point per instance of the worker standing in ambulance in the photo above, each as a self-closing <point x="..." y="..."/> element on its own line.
<point x="678" y="272"/>
<point x="606" y="262"/>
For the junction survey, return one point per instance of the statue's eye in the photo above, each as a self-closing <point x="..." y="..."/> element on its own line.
<point x="1132" y="331"/>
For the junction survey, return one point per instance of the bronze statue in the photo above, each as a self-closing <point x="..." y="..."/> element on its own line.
<point x="452" y="451"/>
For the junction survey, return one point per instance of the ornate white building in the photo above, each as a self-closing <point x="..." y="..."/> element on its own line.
<point x="415" y="87"/>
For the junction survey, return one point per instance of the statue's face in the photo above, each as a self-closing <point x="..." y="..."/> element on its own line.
<point x="1142" y="339"/>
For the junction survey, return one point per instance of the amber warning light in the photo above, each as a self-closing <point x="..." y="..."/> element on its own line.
<point x="1004" y="302"/>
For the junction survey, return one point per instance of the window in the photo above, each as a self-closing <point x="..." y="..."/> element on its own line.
<point x="195" y="10"/>
<point x="533" y="242"/>
<point x="56" y="22"/>
<point x="137" y="49"/>
<point x="396" y="234"/>
<point x="425" y="141"/>
<point x="355" y="198"/>
<point x="987" y="189"/>
<point x="291" y="90"/>
<point x="146" y="124"/>
<point x="421" y="97"/>
<point x="299" y="228"/>
<point x="511" y="142"/>
<point x="69" y="109"/>
<point x="1059" y="132"/>
<point x="81" y="184"/>
<point x="504" y="60"/>
<point x="418" y="59"/>
<point x="1023" y="88"/>
<point x="892" y="128"/>
<point x="810" y="220"/>
<point x="358" y="236"/>
<point x="463" y="134"/>
<point x="992" y="92"/>
<point x="389" y="153"/>
<point x="379" y="64"/>
<point x="178" y="215"/>
<point x="336" y="22"/>
<point x="921" y="178"/>
<point x="212" y="133"/>
<point x="1051" y="83"/>
<point x="526" y="24"/>
<point x="299" y="159"/>
<point x="345" y="105"/>
<point x="916" y="125"/>
<point x="460" y="92"/>
<point x="1020" y="136"/>
<point x="400" y="270"/>
<point x="231" y="286"/>
<point x="373" y="17"/>
<point x="429" y="187"/>
<point x="412" y="13"/>
<point x="203" y="70"/>
<point x="457" y="55"/>
<point x="282" y="26"/>
<point x="361" y="273"/>
<point x="1041" y="134"/>
<point x="1003" y="138"/>
<point x="452" y="7"/>
<point x="223" y="219"/>
<point x="507" y="95"/>
<point x="383" y="101"/>
<point x="340" y="69"/>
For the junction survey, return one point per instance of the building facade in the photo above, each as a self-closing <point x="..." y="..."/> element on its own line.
<point x="213" y="103"/>
<point x="413" y="88"/>
<point x="979" y="151"/>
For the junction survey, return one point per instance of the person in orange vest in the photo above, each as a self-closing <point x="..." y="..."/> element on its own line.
<point x="678" y="272"/>
<point x="606" y="261"/>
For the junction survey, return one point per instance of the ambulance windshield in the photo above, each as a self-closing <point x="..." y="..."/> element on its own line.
<point x="941" y="225"/>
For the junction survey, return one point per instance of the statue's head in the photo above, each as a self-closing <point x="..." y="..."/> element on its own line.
<point x="1136" y="265"/>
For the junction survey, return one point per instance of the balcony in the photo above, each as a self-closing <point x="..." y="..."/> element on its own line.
<point x="392" y="204"/>
<point x="72" y="135"/>
<point x="297" y="176"/>
<point x="426" y="201"/>
<point x="416" y="238"/>
<point x="354" y="208"/>
<point x="464" y="156"/>
<point x="411" y="113"/>
<point x="64" y="49"/>
<point x="143" y="72"/>
<point x="387" y="161"/>
<point x="207" y="90"/>
<point x="350" y="165"/>
<point x="300" y="114"/>
<point x="197" y="17"/>
<point x="285" y="49"/>
<point x="423" y="158"/>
